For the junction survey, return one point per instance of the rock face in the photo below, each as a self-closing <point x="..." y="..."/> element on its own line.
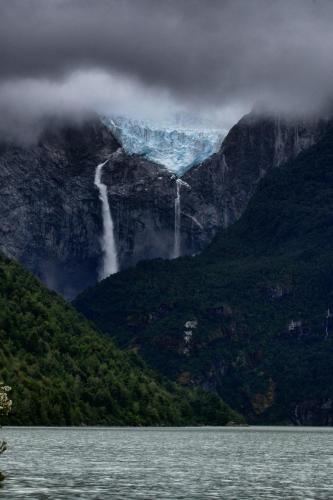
<point x="141" y="197"/>
<point x="49" y="209"/>
<point x="212" y="195"/>
<point x="222" y="186"/>
<point x="51" y="215"/>
<point x="318" y="411"/>
<point x="50" y="212"/>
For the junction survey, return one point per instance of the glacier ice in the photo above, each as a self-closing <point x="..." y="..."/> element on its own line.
<point x="177" y="149"/>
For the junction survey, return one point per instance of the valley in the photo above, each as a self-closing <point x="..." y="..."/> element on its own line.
<point x="220" y="308"/>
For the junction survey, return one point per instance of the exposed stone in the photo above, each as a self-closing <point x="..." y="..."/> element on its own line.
<point x="50" y="212"/>
<point x="314" y="412"/>
<point x="49" y="208"/>
<point x="222" y="186"/>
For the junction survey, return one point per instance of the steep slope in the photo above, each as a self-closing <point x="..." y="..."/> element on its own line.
<point x="63" y="372"/>
<point x="51" y="214"/>
<point x="251" y="317"/>
<point x="222" y="186"/>
<point x="49" y="207"/>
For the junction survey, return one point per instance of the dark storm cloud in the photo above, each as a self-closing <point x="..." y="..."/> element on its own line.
<point x="204" y="53"/>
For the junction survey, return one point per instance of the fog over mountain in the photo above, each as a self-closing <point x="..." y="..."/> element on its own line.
<point x="153" y="59"/>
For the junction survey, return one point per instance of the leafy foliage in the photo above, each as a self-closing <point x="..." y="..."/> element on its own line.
<point x="64" y="372"/>
<point x="262" y="296"/>
<point x="5" y="407"/>
<point x="5" y="402"/>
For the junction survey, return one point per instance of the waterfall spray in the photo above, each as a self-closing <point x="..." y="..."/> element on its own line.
<point x="110" y="258"/>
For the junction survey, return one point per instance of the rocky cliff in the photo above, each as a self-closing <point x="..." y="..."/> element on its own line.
<point x="222" y="186"/>
<point x="51" y="214"/>
<point x="50" y="211"/>
<point x="143" y="195"/>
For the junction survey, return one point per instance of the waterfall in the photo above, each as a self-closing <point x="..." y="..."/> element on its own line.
<point x="279" y="144"/>
<point x="110" y="258"/>
<point x="195" y="220"/>
<point x="176" y="247"/>
<point x="177" y="239"/>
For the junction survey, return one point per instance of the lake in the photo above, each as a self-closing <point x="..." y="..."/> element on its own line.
<point x="168" y="463"/>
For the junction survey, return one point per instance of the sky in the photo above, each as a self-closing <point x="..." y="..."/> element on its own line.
<point x="211" y="60"/>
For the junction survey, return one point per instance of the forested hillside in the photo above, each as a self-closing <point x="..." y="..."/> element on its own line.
<point x="251" y="317"/>
<point x="64" y="372"/>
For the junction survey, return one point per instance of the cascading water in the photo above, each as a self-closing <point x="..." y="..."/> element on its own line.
<point x="176" y="248"/>
<point x="177" y="240"/>
<point x="110" y="258"/>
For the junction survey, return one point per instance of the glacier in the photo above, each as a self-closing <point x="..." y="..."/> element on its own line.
<point x="177" y="149"/>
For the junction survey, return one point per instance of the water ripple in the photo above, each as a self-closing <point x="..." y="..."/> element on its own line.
<point x="201" y="463"/>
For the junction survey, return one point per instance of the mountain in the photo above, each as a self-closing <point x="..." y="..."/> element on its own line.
<point x="49" y="209"/>
<point x="222" y="186"/>
<point x="51" y="214"/>
<point x="64" y="372"/>
<point x="51" y="218"/>
<point x="251" y="318"/>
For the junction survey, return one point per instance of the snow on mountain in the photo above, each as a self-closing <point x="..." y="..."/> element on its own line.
<point x="178" y="149"/>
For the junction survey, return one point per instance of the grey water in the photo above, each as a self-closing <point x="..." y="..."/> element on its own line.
<point x="168" y="463"/>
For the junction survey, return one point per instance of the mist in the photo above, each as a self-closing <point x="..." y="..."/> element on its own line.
<point x="155" y="60"/>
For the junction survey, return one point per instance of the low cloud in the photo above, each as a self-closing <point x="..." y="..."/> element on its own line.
<point x="26" y="104"/>
<point x="157" y="58"/>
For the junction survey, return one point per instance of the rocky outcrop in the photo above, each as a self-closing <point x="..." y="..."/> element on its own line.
<point x="49" y="209"/>
<point x="222" y="186"/>
<point x="211" y="195"/>
<point x="50" y="212"/>
<point x="141" y="197"/>
<point x="314" y="412"/>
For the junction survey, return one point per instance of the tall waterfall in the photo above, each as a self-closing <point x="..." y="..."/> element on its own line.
<point x="176" y="247"/>
<point x="110" y="258"/>
<point x="177" y="240"/>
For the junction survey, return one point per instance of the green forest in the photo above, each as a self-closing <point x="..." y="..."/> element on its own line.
<point x="64" y="372"/>
<point x="261" y="295"/>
